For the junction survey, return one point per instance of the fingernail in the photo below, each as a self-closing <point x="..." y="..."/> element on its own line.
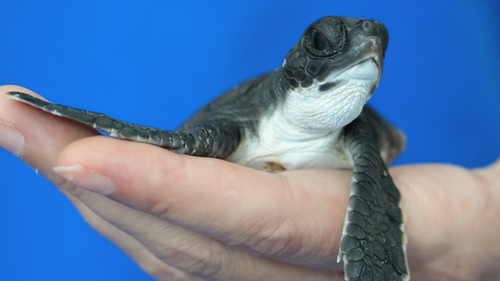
<point x="86" y="179"/>
<point x="11" y="139"/>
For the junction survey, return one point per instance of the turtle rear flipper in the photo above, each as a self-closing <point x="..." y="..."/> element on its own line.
<point x="373" y="243"/>
<point x="216" y="141"/>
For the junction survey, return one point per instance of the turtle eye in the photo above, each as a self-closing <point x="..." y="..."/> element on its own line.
<point x="319" y="41"/>
<point x="318" y="44"/>
<point x="326" y="39"/>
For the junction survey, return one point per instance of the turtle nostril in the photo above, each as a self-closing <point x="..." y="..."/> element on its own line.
<point x="367" y="26"/>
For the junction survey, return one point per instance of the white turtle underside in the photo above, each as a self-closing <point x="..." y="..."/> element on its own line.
<point x="303" y="132"/>
<point x="279" y="144"/>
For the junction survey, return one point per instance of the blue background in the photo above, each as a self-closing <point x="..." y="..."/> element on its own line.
<point x="154" y="63"/>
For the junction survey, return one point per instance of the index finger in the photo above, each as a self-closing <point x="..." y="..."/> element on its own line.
<point x="287" y="216"/>
<point x="38" y="147"/>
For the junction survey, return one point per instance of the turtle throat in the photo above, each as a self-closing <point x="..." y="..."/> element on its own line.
<point x="335" y="102"/>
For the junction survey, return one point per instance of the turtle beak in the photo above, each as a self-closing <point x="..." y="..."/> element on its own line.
<point x="377" y="37"/>
<point x="378" y="55"/>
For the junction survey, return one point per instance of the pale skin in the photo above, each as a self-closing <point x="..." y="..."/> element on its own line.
<point x="190" y="218"/>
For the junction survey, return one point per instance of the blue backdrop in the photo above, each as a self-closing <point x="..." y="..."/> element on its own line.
<point x="154" y="63"/>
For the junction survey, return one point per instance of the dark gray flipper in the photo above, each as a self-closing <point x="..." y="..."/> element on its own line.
<point x="373" y="244"/>
<point x="218" y="140"/>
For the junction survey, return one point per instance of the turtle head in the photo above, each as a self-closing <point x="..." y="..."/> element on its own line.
<point x="332" y="71"/>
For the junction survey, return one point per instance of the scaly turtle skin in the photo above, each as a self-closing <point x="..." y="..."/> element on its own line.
<point x="309" y="113"/>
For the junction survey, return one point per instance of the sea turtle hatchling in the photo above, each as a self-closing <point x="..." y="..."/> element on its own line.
<point x="308" y="113"/>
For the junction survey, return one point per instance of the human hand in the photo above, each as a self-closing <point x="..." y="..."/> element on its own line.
<point x="191" y="218"/>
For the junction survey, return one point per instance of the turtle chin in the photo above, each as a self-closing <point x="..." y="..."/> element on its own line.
<point x="334" y="102"/>
<point x="328" y="111"/>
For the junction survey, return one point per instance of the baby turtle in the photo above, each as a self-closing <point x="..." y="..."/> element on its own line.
<point x="309" y="113"/>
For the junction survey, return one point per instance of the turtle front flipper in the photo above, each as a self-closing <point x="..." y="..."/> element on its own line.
<point x="373" y="243"/>
<point x="204" y="140"/>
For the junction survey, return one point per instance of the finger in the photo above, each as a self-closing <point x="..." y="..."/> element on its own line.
<point x="38" y="139"/>
<point x="491" y="176"/>
<point x="43" y="135"/>
<point x="51" y="134"/>
<point x="259" y="212"/>
<point x="194" y="253"/>
<point x="148" y="261"/>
